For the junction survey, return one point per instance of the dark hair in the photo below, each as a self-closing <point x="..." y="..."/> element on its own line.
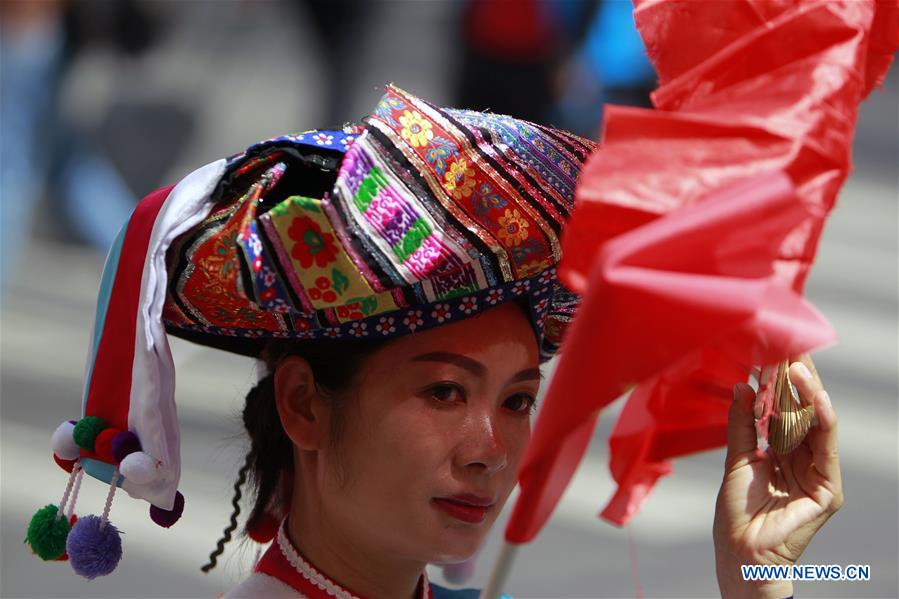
<point x="269" y="462"/>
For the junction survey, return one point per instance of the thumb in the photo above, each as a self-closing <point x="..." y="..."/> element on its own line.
<point x="741" y="436"/>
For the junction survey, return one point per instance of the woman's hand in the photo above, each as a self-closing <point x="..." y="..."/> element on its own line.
<point x="770" y="506"/>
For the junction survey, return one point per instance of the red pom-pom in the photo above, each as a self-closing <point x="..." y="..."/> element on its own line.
<point x="66" y="465"/>
<point x="266" y="529"/>
<point x="65" y="556"/>
<point x="103" y="445"/>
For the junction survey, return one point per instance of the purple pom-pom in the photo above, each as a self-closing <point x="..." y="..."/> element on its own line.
<point x="166" y="518"/>
<point x="93" y="550"/>
<point x="124" y="444"/>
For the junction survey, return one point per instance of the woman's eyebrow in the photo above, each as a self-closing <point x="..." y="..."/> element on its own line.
<point x="527" y="375"/>
<point x="473" y="366"/>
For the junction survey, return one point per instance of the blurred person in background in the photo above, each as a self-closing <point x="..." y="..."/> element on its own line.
<point x="45" y="160"/>
<point x="557" y="62"/>
<point x="507" y="55"/>
<point x="607" y="66"/>
<point x="337" y="27"/>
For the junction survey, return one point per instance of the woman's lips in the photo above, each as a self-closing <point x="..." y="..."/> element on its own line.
<point x="463" y="510"/>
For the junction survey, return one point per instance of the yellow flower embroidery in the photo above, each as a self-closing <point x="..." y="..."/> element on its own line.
<point x="459" y="179"/>
<point x="416" y="130"/>
<point x="530" y="269"/>
<point x="513" y="227"/>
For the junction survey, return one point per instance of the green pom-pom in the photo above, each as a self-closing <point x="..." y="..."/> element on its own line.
<point x="47" y="533"/>
<point x="86" y="432"/>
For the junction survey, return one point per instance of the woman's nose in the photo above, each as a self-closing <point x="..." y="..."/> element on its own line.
<point x="483" y="447"/>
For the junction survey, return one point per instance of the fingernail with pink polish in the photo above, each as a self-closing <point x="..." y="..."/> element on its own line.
<point x="826" y="397"/>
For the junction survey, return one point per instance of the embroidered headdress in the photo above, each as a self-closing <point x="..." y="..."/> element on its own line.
<point x="418" y="218"/>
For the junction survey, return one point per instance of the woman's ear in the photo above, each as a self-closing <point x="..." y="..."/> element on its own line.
<point x="303" y="415"/>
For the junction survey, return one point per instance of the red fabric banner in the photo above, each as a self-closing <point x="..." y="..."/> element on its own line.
<point x="742" y="159"/>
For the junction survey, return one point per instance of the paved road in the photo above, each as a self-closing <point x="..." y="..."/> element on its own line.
<point x="47" y="313"/>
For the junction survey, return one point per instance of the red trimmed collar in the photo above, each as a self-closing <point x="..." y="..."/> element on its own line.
<point x="284" y="562"/>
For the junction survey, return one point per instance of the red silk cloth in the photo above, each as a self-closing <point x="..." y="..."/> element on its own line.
<point x="695" y="227"/>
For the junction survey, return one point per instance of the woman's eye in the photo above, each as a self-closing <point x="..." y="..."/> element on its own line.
<point x="521" y="402"/>
<point x="446" y="392"/>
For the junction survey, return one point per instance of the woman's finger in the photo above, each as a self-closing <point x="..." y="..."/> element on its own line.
<point x="805" y="382"/>
<point x="806" y="359"/>
<point x="823" y="441"/>
<point x="741" y="437"/>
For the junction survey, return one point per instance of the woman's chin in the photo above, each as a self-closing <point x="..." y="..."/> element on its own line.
<point x="457" y="545"/>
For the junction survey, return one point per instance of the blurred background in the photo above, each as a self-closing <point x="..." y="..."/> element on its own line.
<point x="103" y="101"/>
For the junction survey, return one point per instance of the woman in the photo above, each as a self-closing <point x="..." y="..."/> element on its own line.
<point x="429" y="431"/>
<point x="398" y="283"/>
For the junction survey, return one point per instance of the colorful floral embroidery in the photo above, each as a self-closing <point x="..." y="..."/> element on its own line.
<point x="532" y="268"/>
<point x="386" y="106"/>
<point x="439" y="151"/>
<point x="385" y="325"/>
<point x="485" y="211"/>
<point x="413" y="320"/>
<point x="514" y="228"/>
<point x="358" y="329"/>
<point x="520" y="287"/>
<point x="485" y="200"/>
<point x="460" y="179"/>
<point x="416" y="129"/>
<point x="303" y="218"/>
<point x="441" y="312"/>
<point x="494" y="296"/>
<point x="222" y="263"/>
<point x="468" y="305"/>
<point x="311" y="244"/>
<point x="543" y="310"/>
<point x="525" y="251"/>
<point x="259" y="153"/>
<point x="322" y="290"/>
<point x="350" y="311"/>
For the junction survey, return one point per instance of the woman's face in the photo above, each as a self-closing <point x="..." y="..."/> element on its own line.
<point x="433" y="437"/>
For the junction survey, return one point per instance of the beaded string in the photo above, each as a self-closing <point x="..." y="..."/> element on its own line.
<point x="60" y="512"/>
<point x="112" y="487"/>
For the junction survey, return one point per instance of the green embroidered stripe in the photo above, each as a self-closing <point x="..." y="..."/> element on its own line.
<point x="373" y="182"/>
<point x="466" y="290"/>
<point x="412" y="240"/>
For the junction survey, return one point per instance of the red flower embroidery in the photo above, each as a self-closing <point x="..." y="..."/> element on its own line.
<point x="312" y="245"/>
<point x="322" y="290"/>
<point x="350" y="311"/>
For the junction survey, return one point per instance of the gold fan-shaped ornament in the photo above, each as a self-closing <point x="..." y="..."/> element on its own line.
<point x="789" y="421"/>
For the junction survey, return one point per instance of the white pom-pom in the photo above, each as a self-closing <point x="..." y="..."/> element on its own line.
<point x="140" y="468"/>
<point x="63" y="443"/>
